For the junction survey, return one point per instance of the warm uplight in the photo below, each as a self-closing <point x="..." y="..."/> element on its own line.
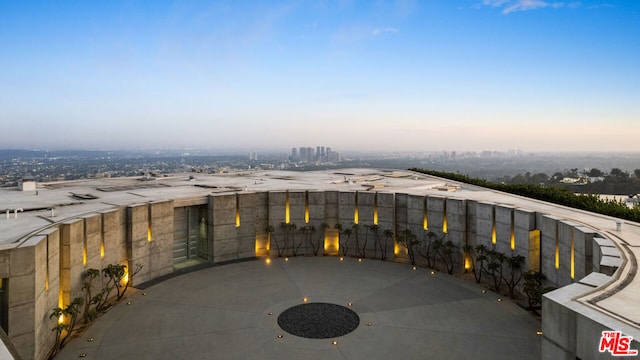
<point x="305" y="300"/>
<point x="375" y="209"/>
<point x="573" y="260"/>
<point x="46" y="278"/>
<point x="539" y="333"/>
<point x="534" y="250"/>
<point x="287" y="212"/>
<point x="425" y="221"/>
<point x="359" y="260"/>
<point x="355" y="209"/>
<point x="414" y="267"/>
<point x="280" y="336"/>
<point x="334" y="342"/>
<point x="493" y="233"/>
<point x="61" y="319"/>
<point x="149" y="217"/>
<point x="84" y="245"/>
<point x="341" y="259"/>
<point x="499" y="299"/>
<point x="102" y="237"/>
<point x="444" y="217"/>
<point x="349" y="303"/>
<point x="513" y="231"/>
<point x="396" y="249"/>
<point x="493" y="226"/>
<point x="557" y="253"/>
<point x="433" y="272"/>
<point x="125" y="278"/>
<point x="262" y="244"/>
<point x="331" y="242"/>
<point x="268" y="261"/>
<point x="306" y="207"/>
<point x="467" y="263"/>
<point x="237" y="211"/>
<point x="286" y="259"/>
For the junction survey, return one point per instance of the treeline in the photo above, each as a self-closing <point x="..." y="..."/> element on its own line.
<point x="593" y="181"/>
<point x="554" y="194"/>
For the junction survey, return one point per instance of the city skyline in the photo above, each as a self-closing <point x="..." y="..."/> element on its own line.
<point x="461" y="75"/>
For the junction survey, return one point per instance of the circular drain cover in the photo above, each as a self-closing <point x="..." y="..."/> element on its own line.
<point x="318" y="320"/>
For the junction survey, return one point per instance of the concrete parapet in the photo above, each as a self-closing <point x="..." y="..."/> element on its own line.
<point x="571" y="329"/>
<point x="436" y="213"/>
<point x="139" y="236"/>
<point x="484" y="224"/>
<point x="114" y="230"/>
<point x="71" y="255"/>
<point x="346" y="208"/>
<point x="331" y="214"/>
<point x="606" y="256"/>
<point x="559" y="323"/>
<point x="566" y="243"/>
<point x="53" y="261"/>
<point x="504" y="227"/>
<point x="583" y="247"/>
<point x="161" y="241"/>
<point x="472" y="223"/>
<point x="524" y="222"/>
<point x="21" y="299"/>
<point x="549" y="247"/>
<point x="595" y="279"/>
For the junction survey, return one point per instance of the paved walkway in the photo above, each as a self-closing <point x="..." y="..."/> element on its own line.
<point x="230" y="312"/>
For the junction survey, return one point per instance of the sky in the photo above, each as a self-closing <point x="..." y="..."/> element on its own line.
<point x="464" y="75"/>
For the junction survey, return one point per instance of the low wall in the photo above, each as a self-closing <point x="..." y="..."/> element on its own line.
<point x="46" y="271"/>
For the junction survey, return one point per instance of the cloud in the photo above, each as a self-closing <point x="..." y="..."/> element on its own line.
<point x="524" y="5"/>
<point x="389" y="30"/>
<point x="495" y="3"/>
<point x="600" y="6"/>
<point x="511" y="6"/>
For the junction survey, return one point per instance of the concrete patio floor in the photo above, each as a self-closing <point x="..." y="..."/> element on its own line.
<point x="231" y="311"/>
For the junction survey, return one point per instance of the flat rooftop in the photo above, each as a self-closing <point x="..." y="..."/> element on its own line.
<point x="76" y="198"/>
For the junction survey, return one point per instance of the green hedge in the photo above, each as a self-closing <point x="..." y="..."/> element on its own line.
<point x="553" y="194"/>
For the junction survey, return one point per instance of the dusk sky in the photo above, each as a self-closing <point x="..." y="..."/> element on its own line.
<point x="353" y="75"/>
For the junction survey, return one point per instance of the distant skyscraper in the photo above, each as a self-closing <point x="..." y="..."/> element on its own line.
<point x="303" y="154"/>
<point x="310" y="154"/>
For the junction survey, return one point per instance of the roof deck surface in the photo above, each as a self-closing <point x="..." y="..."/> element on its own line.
<point x="616" y="299"/>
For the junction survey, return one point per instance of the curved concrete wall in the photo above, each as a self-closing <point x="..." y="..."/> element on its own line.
<point x="46" y="271"/>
